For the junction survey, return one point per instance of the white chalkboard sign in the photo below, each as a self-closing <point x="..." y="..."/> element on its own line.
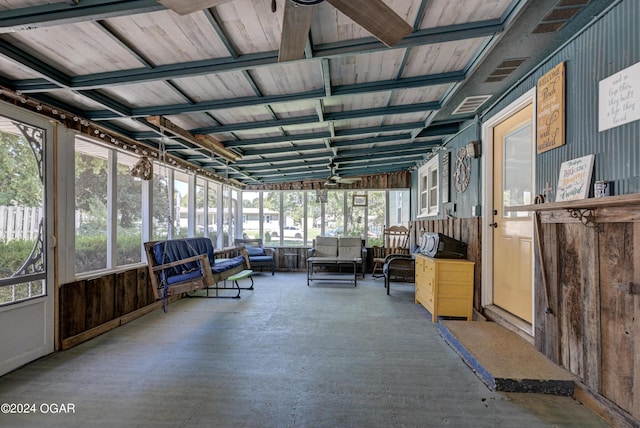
<point x="619" y="98"/>
<point x="575" y="179"/>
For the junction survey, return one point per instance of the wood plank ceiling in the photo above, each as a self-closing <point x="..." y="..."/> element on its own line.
<point x="372" y="109"/>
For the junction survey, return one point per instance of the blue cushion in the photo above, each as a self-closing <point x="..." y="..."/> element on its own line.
<point x="258" y="259"/>
<point x="174" y="279"/>
<point x="177" y="249"/>
<point x="254" y="251"/>
<point x="224" y="265"/>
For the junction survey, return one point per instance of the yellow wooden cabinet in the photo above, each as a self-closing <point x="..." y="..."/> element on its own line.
<point x="445" y="286"/>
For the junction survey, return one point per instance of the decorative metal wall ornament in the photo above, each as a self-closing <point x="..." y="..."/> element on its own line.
<point x="143" y="169"/>
<point x="462" y="174"/>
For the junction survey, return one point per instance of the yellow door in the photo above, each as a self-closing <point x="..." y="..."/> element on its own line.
<point x="513" y="232"/>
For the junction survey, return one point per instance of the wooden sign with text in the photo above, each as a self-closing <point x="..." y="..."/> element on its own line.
<point x="550" y="109"/>
<point x="574" y="179"/>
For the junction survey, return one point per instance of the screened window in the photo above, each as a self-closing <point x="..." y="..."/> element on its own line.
<point x="296" y="218"/>
<point x="161" y="224"/>
<point x="129" y="214"/>
<point x="180" y="204"/>
<point x="91" y="187"/>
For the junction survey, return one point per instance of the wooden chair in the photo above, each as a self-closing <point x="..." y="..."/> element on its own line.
<point x="395" y="241"/>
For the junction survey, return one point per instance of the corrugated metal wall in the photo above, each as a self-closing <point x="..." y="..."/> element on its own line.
<point x="608" y="46"/>
<point x="460" y="203"/>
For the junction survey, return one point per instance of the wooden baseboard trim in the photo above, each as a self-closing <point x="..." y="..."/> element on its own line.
<point x="72" y="341"/>
<point x="602" y="407"/>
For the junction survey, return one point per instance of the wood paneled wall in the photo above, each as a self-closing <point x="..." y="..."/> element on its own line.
<point x="88" y="304"/>
<point x="394" y="180"/>
<point x="467" y="230"/>
<point x="593" y="328"/>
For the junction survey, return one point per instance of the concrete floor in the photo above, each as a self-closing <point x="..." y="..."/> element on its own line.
<point x="285" y="355"/>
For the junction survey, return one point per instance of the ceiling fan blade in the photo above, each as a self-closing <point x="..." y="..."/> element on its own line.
<point x="295" y="31"/>
<point x="185" y="7"/>
<point x="376" y="17"/>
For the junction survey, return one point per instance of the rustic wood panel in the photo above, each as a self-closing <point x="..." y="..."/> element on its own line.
<point x="635" y="333"/>
<point x="591" y="315"/>
<point x="395" y="180"/>
<point x="592" y="331"/>
<point x="284" y="263"/>
<point x="87" y="304"/>
<point x="189" y="37"/>
<point x="571" y="292"/>
<point x="72" y="309"/>
<point x="100" y="295"/>
<point x="443" y="12"/>
<point x="126" y="292"/>
<point x="617" y="314"/>
<point x="546" y="324"/>
<point x="440" y="57"/>
<point x="100" y="51"/>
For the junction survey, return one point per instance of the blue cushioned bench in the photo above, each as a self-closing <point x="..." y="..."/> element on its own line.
<point x="189" y="264"/>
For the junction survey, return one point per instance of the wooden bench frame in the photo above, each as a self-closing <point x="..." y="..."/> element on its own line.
<point x="207" y="281"/>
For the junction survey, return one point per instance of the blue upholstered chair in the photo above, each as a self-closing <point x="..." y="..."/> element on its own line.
<point x="259" y="256"/>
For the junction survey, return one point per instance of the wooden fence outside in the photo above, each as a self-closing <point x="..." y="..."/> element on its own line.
<point x="19" y="223"/>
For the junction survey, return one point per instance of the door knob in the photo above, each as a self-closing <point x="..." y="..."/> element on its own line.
<point x="494" y="225"/>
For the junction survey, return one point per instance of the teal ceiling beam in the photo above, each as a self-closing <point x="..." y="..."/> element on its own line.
<point x="255" y="60"/>
<point x="277" y="139"/>
<point x="360" y="88"/>
<point x="406" y="83"/>
<point x="291" y="149"/>
<point x="343" y="115"/>
<point x="27" y="18"/>
<point x="435" y="130"/>
<point x="51" y="75"/>
<point x="426" y="36"/>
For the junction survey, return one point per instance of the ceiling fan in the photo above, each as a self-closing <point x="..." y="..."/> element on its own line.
<point x="334" y="179"/>
<point x="373" y="15"/>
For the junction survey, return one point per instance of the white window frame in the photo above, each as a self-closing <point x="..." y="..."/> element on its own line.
<point x="428" y="206"/>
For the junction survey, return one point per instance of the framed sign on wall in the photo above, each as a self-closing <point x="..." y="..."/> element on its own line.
<point x="550" y="110"/>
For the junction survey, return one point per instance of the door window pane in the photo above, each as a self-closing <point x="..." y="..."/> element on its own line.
<point x="517" y="181"/>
